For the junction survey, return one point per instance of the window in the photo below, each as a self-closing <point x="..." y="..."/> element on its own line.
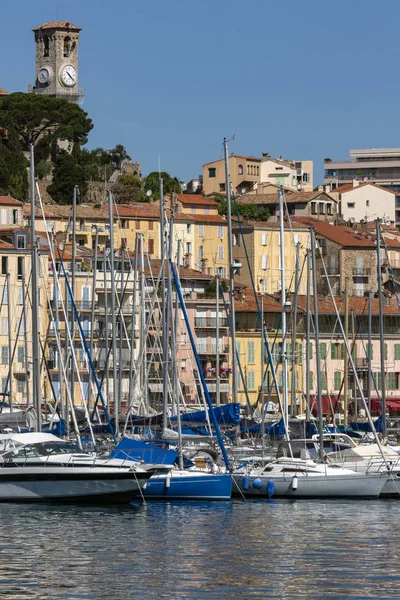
<point x="221" y="187"/>
<point x="322" y="350"/>
<point x="258" y="170"/>
<point x="220" y="232"/>
<point x="20" y="268"/>
<point x="21" y="354"/>
<point x="137" y="224"/>
<point x="337" y="380"/>
<point x="264" y="239"/>
<point x="4" y="355"/>
<point x="183" y="338"/>
<point x="323" y="380"/>
<point x="264" y="262"/>
<point x="4" y="295"/>
<point x="250" y="353"/>
<point x="206" y="210"/>
<point x="45" y="45"/>
<point x="85" y="296"/>
<point x="240" y="170"/>
<point x="212" y="172"/>
<point x="370" y="351"/>
<point x="21" y="386"/>
<point x="151" y="246"/>
<point x="250" y="380"/>
<point x="329" y="208"/>
<point x="313" y="208"/>
<point x="321" y="208"/>
<point x="310" y="350"/>
<point x="200" y="252"/>
<point x="311" y="380"/>
<point x="13" y="217"/>
<point x="193" y="210"/>
<point x="4" y="265"/>
<point x="4" y="381"/>
<point x="188" y="247"/>
<point x="21" y="241"/>
<point x="392" y="381"/>
<point x="220" y="252"/>
<point x="20" y="298"/>
<point x="183" y="364"/>
<point x="350" y="204"/>
<point x="151" y="227"/>
<point x="306" y="177"/>
<point x="367" y="203"/>
<point x="67" y="46"/>
<point x="385" y="352"/>
<point x="221" y="271"/>
<point x="334" y="351"/>
<point x="201" y="230"/>
<point x="188" y="228"/>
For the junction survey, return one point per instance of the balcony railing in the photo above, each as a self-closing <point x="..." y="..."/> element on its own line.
<point x="361" y="271"/>
<point x="212" y="348"/>
<point x="210" y="322"/>
<point x="331" y="270"/>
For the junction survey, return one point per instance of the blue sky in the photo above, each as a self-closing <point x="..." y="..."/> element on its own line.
<point x="172" y="78"/>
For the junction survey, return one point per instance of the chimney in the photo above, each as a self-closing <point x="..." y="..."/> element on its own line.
<point x="328" y="188"/>
<point x="356" y="183"/>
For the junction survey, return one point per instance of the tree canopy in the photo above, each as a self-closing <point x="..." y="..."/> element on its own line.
<point x="252" y="212"/>
<point x="37" y="117"/>
<point x="170" y="184"/>
<point x="67" y="173"/>
<point x="13" y="167"/>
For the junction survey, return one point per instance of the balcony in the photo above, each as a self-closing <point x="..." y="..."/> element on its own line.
<point x="361" y="271"/>
<point x="362" y="364"/>
<point x="331" y="270"/>
<point x="204" y="322"/>
<point x="212" y="348"/>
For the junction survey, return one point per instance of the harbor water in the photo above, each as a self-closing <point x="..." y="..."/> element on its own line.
<point x="257" y="549"/>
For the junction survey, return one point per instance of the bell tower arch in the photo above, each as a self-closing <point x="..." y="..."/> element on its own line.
<point x="57" y="61"/>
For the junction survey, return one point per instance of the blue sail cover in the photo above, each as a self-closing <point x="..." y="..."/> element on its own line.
<point x="275" y="430"/>
<point x="138" y="450"/>
<point x="229" y="414"/>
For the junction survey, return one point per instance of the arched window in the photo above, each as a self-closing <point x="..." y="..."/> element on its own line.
<point x="240" y="169"/>
<point x="67" y="46"/>
<point x="45" y="45"/>
<point x="258" y="170"/>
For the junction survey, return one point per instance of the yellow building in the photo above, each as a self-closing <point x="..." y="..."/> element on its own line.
<point x="138" y="217"/>
<point x="262" y="240"/>
<point x="249" y="347"/>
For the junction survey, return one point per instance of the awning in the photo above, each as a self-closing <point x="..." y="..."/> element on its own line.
<point x="155" y="387"/>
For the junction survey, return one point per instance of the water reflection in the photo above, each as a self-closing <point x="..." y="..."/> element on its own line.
<point x="282" y="550"/>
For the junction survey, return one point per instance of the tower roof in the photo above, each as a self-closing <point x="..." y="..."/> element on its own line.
<point x="58" y="25"/>
<point x="3" y="92"/>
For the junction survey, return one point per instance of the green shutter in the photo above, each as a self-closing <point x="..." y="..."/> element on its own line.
<point x="299" y="351"/>
<point x="250" y="380"/>
<point x="370" y="351"/>
<point x="385" y="352"/>
<point x="238" y="348"/>
<point x="323" y="380"/>
<point x="337" y="380"/>
<point x="397" y="352"/>
<point x="392" y="381"/>
<point x="280" y="379"/>
<point x="310" y="350"/>
<point x="289" y="351"/>
<point x="296" y="380"/>
<point x="354" y="352"/>
<point x="334" y="351"/>
<point x="311" y="380"/>
<point x="322" y="350"/>
<point x="250" y="353"/>
<point x="342" y="351"/>
<point x="378" y="380"/>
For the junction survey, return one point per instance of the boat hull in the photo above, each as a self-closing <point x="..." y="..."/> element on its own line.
<point x="359" y="486"/>
<point x="189" y="485"/>
<point x="70" y="484"/>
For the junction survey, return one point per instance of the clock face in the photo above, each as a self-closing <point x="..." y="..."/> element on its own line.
<point x="68" y="76"/>
<point x="44" y="75"/>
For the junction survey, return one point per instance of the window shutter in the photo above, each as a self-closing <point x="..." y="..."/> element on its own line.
<point x="322" y="350"/>
<point x="323" y="380"/>
<point x="385" y="353"/>
<point x="299" y="353"/>
<point x="264" y="239"/>
<point x="370" y="351"/>
<point x="310" y="350"/>
<point x="334" y="351"/>
<point x="251" y="380"/>
<point x="264" y="262"/>
<point x="250" y="353"/>
<point x="354" y="352"/>
<point x="392" y="381"/>
<point x="337" y="380"/>
<point x="342" y="351"/>
<point x="4" y="355"/>
<point x="311" y="380"/>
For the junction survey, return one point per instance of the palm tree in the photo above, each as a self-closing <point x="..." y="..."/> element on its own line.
<point x="119" y="155"/>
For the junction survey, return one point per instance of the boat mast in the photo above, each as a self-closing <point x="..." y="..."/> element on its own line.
<point x="217" y="392"/>
<point x="143" y="331"/>
<point x="72" y="316"/>
<point x="26" y="363"/>
<point x="369" y="358"/>
<point x="133" y="319"/>
<point x="381" y="336"/>
<point x="35" y="302"/>
<point x="106" y="363"/>
<point x="113" y="319"/>
<point x="121" y="321"/>
<point x="283" y="309"/>
<point x="294" y="331"/>
<point x="346" y="360"/>
<point x="317" y="356"/>
<point x="10" y="348"/>
<point x="92" y="316"/>
<point x="163" y="312"/>
<point x="262" y="380"/>
<point x="231" y="271"/>
<point x="308" y="328"/>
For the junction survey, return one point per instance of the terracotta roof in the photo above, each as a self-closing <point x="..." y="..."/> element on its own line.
<point x="57" y="25"/>
<point x="268" y="225"/>
<point x="154" y="265"/>
<point x="253" y="158"/>
<point x="292" y="198"/>
<point x="343" y="236"/>
<point x="349" y="187"/>
<point x="357" y="303"/>
<point x="136" y="210"/>
<point x="209" y="219"/>
<point x="64" y="211"/>
<point x="246" y="302"/>
<point x="9" y="201"/>
<point x="3" y="92"/>
<point x="196" y="199"/>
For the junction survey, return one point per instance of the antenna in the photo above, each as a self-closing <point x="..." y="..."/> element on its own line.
<point x="149" y="193"/>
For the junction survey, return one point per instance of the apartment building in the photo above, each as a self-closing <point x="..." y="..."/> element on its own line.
<point x="11" y="211"/>
<point x="291" y="174"/>
<point x="137" y="218"/>
<point x="262" y="244"/>
<point x="244" y="172"/>
<point x="318" y="204"/>
<point x="375" y="165"/>
<point x="363" y="202"/>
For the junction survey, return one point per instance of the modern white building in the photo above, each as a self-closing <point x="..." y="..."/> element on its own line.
<point x="365" y="202"/>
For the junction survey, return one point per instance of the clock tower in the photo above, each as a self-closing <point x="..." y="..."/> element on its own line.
<point x="57" y="61"/>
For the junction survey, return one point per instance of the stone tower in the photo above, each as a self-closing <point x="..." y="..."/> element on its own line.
<point x="57" y="61"/>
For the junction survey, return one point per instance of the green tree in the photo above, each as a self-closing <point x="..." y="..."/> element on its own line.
<point x="13" y="167"/>
<point x="119" y="155"/>
<point x="43" y="169"/>
<point x="251" y="212"/>
<point x="67" y="173"/>
<point x="170" y="184"/>
<point x="36" y="117"/>
<point x="129" y="189"/>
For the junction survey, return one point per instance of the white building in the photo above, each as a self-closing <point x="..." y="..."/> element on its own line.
<point x="291" y="174"/>
<point x="365" y="202"/>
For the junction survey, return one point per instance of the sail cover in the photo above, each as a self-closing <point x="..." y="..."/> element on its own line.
<point x="229" y="414"/>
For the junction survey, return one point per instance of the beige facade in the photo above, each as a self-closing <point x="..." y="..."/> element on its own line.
<point x="262" y="241"/>
<point x="366" y="202"/>
<point x="292" y="175"/>
<point x="244" y="172"/>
